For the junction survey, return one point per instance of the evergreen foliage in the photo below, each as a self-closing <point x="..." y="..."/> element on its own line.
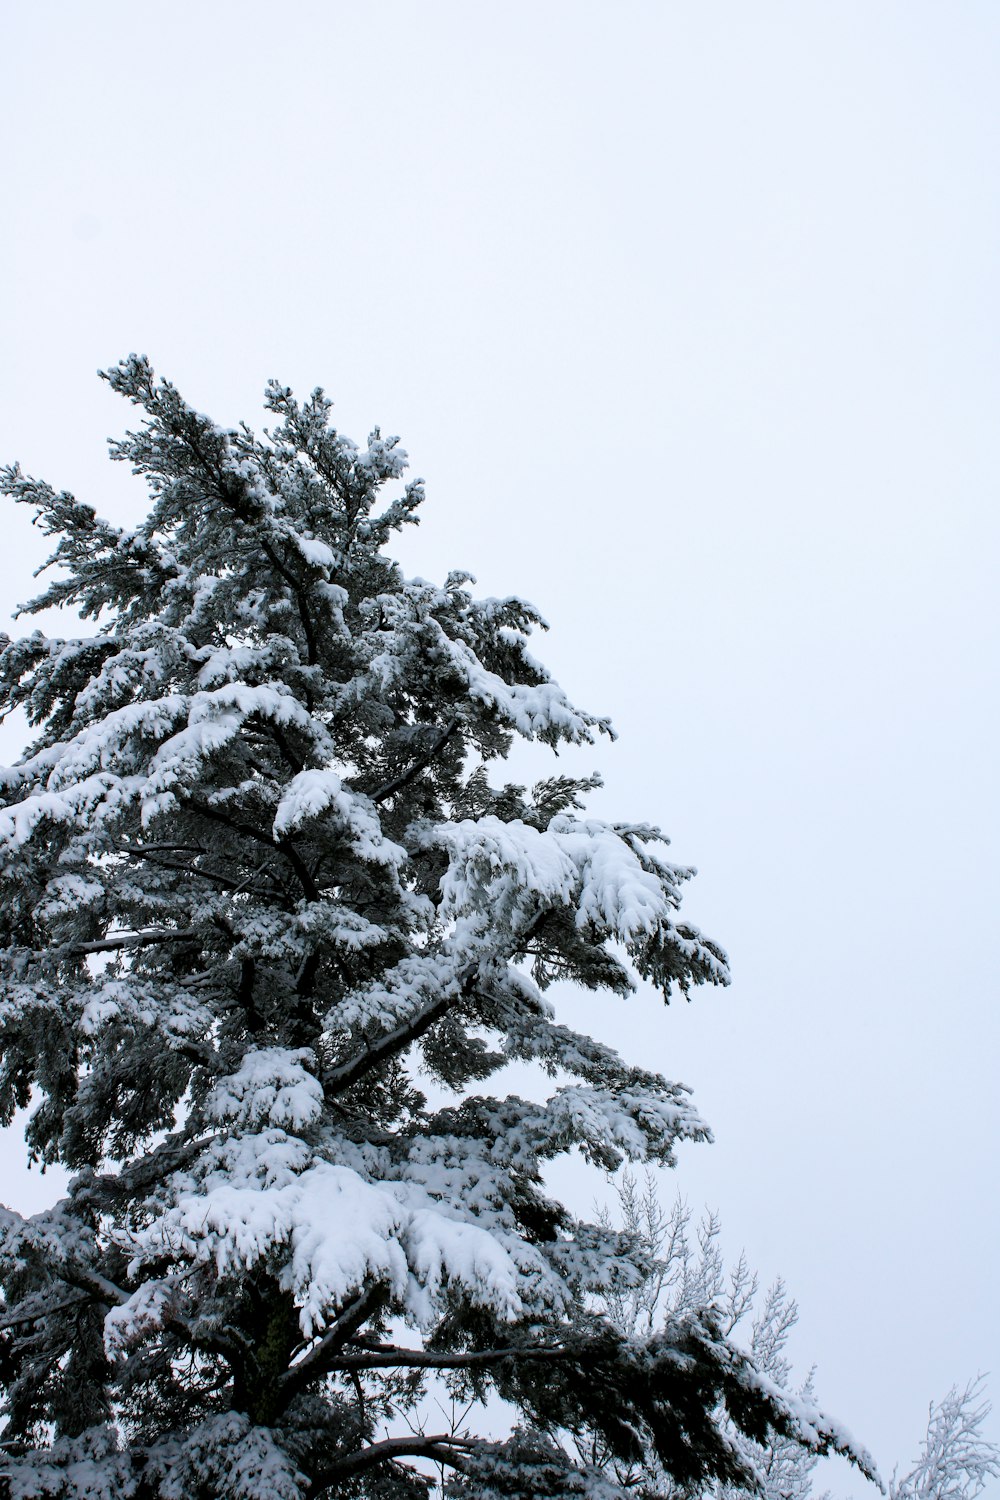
<point x="258" y="903"/>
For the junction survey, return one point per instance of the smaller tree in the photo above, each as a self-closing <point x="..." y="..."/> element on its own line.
<point x="684" y="1270"/>
<point x="956" y="1460"/>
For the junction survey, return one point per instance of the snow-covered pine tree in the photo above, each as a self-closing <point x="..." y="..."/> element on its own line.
<point x="255" y="886"/>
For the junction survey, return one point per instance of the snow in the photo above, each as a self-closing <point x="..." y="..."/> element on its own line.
<point x="144" y="1313"/>
<point x="617" y="894"/>
<point x="383" y="456"/>
<point x="312" y="793"/>
<point x="272" y="1086"/>
<point x="318" y="553"/>
<point x="228" y="664"/>
<point x="83" y="1468"/>
<point x="66" y="894"/>
<point x="326" y="1231"/>
<point x="402" y="992"/>
<point x="511" y="867"/>
<point x="228" y="1458"/>
<point x="142" y="1003"/>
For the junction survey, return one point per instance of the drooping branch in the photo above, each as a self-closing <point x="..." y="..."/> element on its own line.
<point x="442" y="1448"/>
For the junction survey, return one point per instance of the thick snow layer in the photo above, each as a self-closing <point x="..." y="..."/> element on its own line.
<point x="105" y="763"/>
<point x="314" y="551"/>
<point x="312" y="793"/>
<point x="271" y="1087"/>
<point x="507" y="866"/>
<point x="325" y="1230"/>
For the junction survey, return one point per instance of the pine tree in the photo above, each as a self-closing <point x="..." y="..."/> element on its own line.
<point x="260" y="905"/>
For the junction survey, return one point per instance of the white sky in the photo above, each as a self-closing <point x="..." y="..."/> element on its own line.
<point x="688" y="315"/>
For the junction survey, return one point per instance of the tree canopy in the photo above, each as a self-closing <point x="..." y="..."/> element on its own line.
<point x="267" y="931"/>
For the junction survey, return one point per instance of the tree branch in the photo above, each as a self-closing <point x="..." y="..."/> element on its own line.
<point x="99" y="1287"/>
<point x="237" y="1353"/>
<point x="136" y="939"/>
<point x="171" y="1155"/>
<point x="284" y="846"/>
<point x="105" y="1292"/>
<point x="349" y="1073"/>
<point x="43" y="1312"/>
<point x="389" y="1357"/>
<point x="317" y="1361"/>
<point x="405" y="777"/>
<point x="442" y="1447"/>
<point x="148" y="853"/>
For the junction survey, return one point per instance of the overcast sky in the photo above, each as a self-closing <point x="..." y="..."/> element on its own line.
<point x="688" y="314"/>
